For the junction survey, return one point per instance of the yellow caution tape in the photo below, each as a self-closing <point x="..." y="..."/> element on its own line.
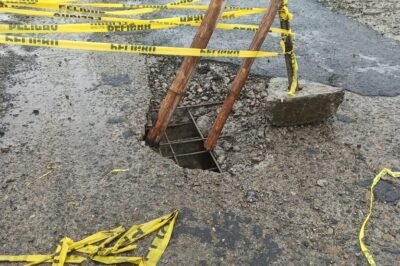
<point x="114" y="27"/>
<point x="109" y="24"/>
<point x="75" y="7"/>
<point x="295" y="83"/>
<point x="159" y="243"/>
<point x="134" y="24"/>
<point x="177" y="20"/>
<point x="131" y="12"/>
<point x="132" y="48"/>
<point x="131" y="24"/>
<point x="377" y="178"/>
<point x="99" y="248"/>
<point x="130" y="9"/>
<point x="284" y="11"/>
<point x="42" y="258"/>
<point x="34" y="2"/>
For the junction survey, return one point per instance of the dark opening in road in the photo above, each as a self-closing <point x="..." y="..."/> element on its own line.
<point x="183" y="140"/>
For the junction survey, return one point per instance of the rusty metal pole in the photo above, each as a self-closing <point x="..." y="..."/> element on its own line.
<point x="285" y="25"/>
<point x="178" y="87"/>
<point x="242" y="75"/>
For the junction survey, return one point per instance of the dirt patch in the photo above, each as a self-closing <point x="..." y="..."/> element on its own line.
<point x="382" y="16"/>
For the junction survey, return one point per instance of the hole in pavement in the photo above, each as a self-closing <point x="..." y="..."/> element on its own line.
<point x="183" y="139"/>
<point x="246" y="138"/>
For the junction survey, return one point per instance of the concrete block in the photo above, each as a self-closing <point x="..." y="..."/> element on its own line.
<point x="313" y="104"/>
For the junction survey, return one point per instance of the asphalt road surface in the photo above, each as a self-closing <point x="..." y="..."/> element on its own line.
<point x="331" y="48"/>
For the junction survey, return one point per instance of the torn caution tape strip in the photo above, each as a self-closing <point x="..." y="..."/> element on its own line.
<point x="107" y="246"/>
<point x="361" y="235"/>
<point x="132" y="48"/>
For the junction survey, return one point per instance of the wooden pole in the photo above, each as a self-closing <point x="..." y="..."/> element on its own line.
<point x="285" y="24"/>
<point x="178" y="87"/>
<point x="242" y="75"/>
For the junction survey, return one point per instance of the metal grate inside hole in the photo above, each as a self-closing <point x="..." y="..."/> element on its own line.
<point x="183" y="140"/>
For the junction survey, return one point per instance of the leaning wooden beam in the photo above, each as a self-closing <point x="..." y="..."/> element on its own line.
<point x="242" y="75"/>
<point x="178" y="87"/>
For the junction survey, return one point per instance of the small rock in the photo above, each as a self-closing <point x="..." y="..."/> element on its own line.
<point x="260" y="133"/>
<point x="203" y="123"/>
<point x="332" y="250"/>
<point x="4" y="150"/>
<point x="344" y="118"/>
<point x="322" y="182"/>
<point x="204" y="69"/>
<point x="128" y="133"/>
<point x="116" y="120"/>
<point x="226" y="146"/>
<point x="221" y="159"/>
<point x="372" y="12"/>
<point x="35" y="112"/>
<point x="219" y="151"/>
<point x="388" y="237"/>
<point x="257" y="159"/>
<point x="305" y="243"/>
<point x="236" y="148"/>
<point x="251" y="196"/>
<point x="387" y="191"/>
<point x="329" y="231"/>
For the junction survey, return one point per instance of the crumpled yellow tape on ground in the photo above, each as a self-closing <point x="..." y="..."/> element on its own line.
<point x="160" y="243"/>
<point x="125" y="241"/>
<point x="132" y="48"/>
<point x="361" y="235"/>
<point x="43" y="258"/>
